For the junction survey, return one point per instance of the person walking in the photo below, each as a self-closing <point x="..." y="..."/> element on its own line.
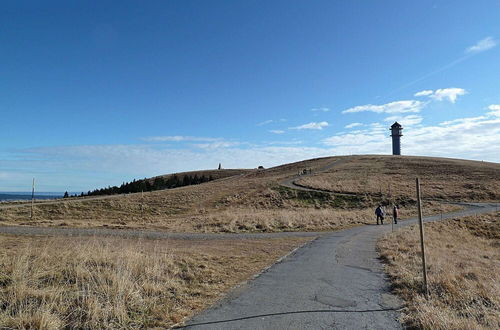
<point x="395" y="213"/>
<point x="379" y="212"/>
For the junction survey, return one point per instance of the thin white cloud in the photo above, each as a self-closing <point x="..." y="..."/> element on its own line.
<point x="392" y="107"/>
<point x="377" y="127"/>
<point x="265" y="122"/>
<point x="409" y="120"/>
<point x="462" y="120"/>
<point x="426" y="92"/>
<point x="451" y="94"/>
<point x="351" y="125"/>
<point x="495" y="110"/>
<point x="276" y="131"/>
<point x="482" y="45"/>
<point x="313" y="125"/>
<point x="323" y="109"/>
<point x="448" y="93"/>
<point x="285" y="143"/>
<point x="178" y="138"/>
<point x="216" y="145"/>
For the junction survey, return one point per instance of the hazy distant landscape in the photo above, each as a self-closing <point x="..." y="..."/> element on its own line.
<point x="19" y="196"/>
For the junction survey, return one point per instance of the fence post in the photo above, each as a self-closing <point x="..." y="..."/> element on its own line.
<point x="422" y="245"/>
<point x="32" y="198"/>
<point x="142" y="204"/>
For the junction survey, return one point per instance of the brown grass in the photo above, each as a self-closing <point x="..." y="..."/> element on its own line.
<point x="223" y="220"/>
<point x="53" y="283"/>
<point x="447" y="179"/>
<point x="222" y="205"/>
<point x="305" y="219"/>
<point x="463" y="258"/>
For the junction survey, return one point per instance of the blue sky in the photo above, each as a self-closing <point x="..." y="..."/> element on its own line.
<point x="97" y="93"/>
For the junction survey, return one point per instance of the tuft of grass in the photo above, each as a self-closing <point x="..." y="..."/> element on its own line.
<point x="463" y="257"/>
<point x="323" y="199"/>
<point x="54" y="283"/>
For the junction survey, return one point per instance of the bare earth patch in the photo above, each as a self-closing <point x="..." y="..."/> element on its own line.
<point x="463" y="258"/>
<point x="89" y="283"/>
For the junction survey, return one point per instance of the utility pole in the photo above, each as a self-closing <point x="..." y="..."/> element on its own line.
<point x="32" y="198"/>
<point x="422" y="245"/>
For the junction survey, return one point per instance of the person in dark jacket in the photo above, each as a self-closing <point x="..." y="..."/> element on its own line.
<point x="395" y="213"/>
<point x="379" y="212"/>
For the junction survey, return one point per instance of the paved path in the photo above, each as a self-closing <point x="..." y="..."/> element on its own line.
<point x="334" y="282"/>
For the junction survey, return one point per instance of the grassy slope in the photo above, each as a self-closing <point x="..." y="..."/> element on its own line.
<point x="256" y="202"/>
<point x="463" y="259"/>
<point x="215" y="174"/>
<point x="442" y="178"/>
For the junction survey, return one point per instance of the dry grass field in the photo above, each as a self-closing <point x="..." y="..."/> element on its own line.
<point x="463" y="258"/>
<point x="441" y="178"/>
<point x="256" y="202"/>
<point x="91" y="283"/>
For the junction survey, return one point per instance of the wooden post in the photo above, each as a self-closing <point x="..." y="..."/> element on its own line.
<point x="32" y="198"/>
<point x="142" y="204"/>
<point x="422" y="245"/>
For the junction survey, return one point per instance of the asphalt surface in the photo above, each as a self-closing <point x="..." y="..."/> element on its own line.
<point x="334" y="282"/>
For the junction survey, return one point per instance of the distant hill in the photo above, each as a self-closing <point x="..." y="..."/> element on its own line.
<point x="215" y="174"/>
<point x="441" y="178"/>
<point x="168" y="181"/>
<point x="346" y="188"/>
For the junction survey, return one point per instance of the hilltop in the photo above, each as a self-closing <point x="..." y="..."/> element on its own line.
<point x="162" y="182"/>
<point x="345" y="190"/>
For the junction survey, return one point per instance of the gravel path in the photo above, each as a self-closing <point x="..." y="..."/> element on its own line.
<point x="334" y="282"/>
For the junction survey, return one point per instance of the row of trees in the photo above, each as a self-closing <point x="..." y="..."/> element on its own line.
<point x="158" y="183"/>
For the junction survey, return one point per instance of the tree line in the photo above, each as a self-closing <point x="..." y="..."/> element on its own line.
<point x="157" y="183"/>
